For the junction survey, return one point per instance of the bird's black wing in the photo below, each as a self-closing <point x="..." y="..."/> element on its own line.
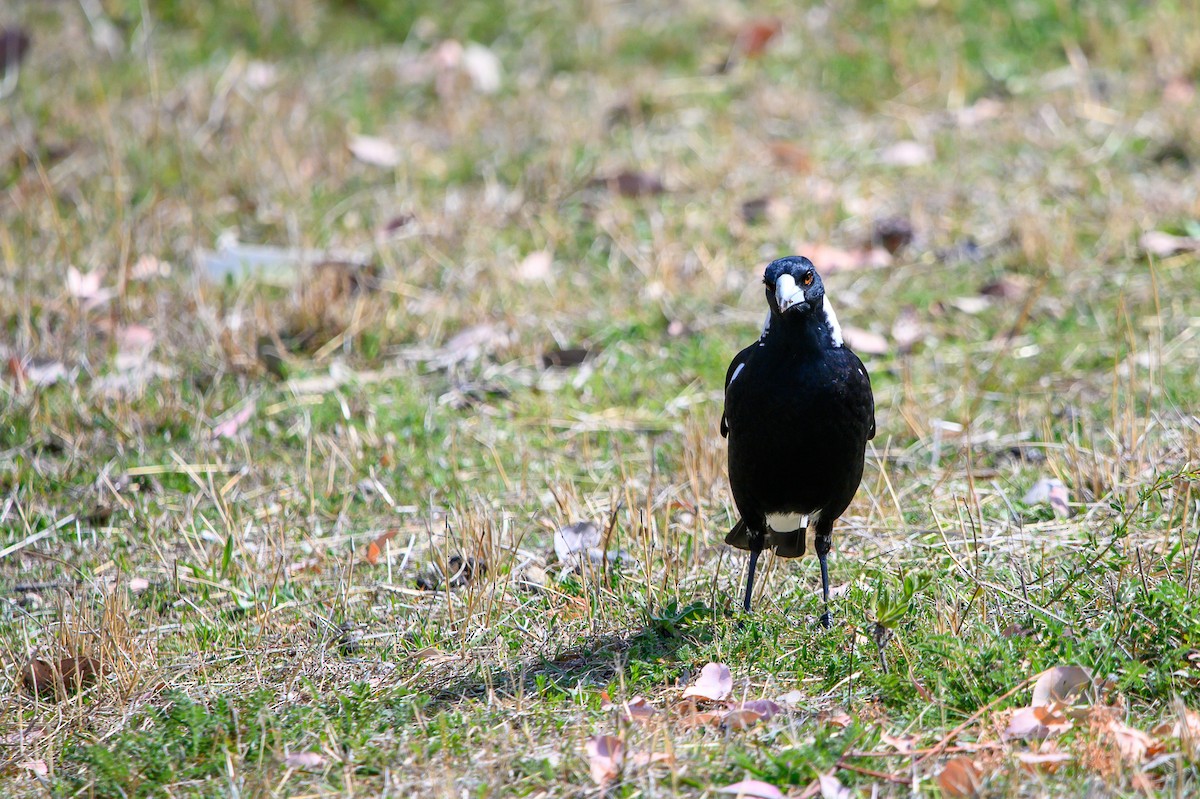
<point x="864" y="390"/>
<point x="738" y="360"/>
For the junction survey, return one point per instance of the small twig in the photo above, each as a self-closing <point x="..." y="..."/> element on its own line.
<point x="879" y="775"/>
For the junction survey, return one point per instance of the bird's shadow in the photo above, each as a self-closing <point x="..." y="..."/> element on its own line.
<point x="594" y="661"/>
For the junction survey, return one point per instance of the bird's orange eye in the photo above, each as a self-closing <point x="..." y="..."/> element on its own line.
<point x="808" y="279"/>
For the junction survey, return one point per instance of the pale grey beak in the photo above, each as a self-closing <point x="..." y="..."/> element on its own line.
<point x="787" y="293"/>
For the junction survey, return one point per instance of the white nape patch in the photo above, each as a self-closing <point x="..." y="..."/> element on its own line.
<point x="736" y="372"/>
<point x="786" y="522"/>
<point x="787" y="293"/>
<point x="835" y="330"/>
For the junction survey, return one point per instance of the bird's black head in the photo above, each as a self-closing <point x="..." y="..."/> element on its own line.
<point x="793" y="287"/>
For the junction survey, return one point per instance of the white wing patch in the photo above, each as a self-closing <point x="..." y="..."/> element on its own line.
<point x="737" y="372"/>
<point x="835" y="330"/>
<point x="786" y="522"/>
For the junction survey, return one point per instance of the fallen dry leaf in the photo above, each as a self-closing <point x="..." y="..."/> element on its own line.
<point x="741" y="718"/>
<point x="907" y="330"/>
<point x="304" y="760"/>
<point x="14" y="44"/>
<point x="375" y="548"/>
<point x="642" y="759"/>
<point x="715" y="683"/>
<point x="893" y="233"/>
<point x="832" y="788"/>
<point x="482" y="67"/>
<point x="1133" y="745"/>
<point x="836" y="718"/>
<point x="564" y="358"/>
<point x="83" y="285"/>
<point x="1053" y="491"/>
<point x="1060" y="683"/>
<point x="374" y="151"/>
<point x="1047" y="762"/>
<point x="906" y="153"/>
<point x="606" y="754"/>
<point x="792" y="698"/>
<point x="960" y="777"/>
<point x="1036" y="723"/>
<point x="580" y="542"/>
<point x="38" y="767"/>
<point x="58" y="679"/>
<point x="864" y="341"/>
<point x="791" y="155"/>
<point x="636" y="709"/>
<point x="138" y="584"/>
<point x="755" y="35"/>
<point x="1164" y="245"/>
<point x="629" y="183"/>
<point x="535" y="266"/>
<point x="829" y="260"/>
<point x="753" y="788"/>
<point x="903" y="745"/>
<point x="229" y="427"/>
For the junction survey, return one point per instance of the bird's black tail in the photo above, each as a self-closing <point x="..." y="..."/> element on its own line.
<point x="739" y="536"/>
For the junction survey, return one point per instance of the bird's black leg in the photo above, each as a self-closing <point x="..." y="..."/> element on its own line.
<point x="824" y="543"/>
<point x="754" y="553"/>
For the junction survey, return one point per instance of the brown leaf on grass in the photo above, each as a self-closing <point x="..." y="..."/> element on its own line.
<point x="643" y="759"/>
<point x="1164" y="245"/>
<point x="309" y="761"/>
<point x="835" y="718"/>
<point x="903" y="745"/>
<point x="893" y="233"/>
<point x="1005" y="287"/>
<point x="636" y="709"/>
<point x="960" y="777"/>
<point x="374" y="151"/>
<point x="52" y="680"/>
<point x="14" y="44"/>
<point x="138" y="584"/>
<point x="1146" y="783"/>
<point x="375" y="548"/>
<point x="1132" y="744"/>
<point x="606" y="755"/>
<point x="832" y="788"/>
<point x="1046" y="762"/>
<point x="229" y="427"/>
<point x="1061" y="684"/>
<point x="865" y="341"/>
<point x="37" y="767"/>
<point x="1036" y="723"/>
<point x="741" y="718"/>
<point x="754" y="36"/>
<point x="762" y="209"/>
<point x="564" y="358"/>
<point x="715" y="683"/>
<point x="753" y="788"/>
<point x="630" y="183"/>
<point x="791" y="156"/>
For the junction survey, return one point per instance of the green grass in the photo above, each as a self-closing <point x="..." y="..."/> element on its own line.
<point x="228" y="583"/>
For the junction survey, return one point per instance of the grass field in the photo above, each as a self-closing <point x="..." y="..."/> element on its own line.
<point x="295" y="525"/>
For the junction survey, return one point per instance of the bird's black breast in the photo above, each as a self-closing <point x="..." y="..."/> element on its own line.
<point x="798" y="423"/>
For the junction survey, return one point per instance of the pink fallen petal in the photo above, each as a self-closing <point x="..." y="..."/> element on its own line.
<point x="715" y="683"/>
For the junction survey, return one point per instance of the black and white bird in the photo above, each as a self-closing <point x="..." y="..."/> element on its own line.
<point x="798" y="415"/>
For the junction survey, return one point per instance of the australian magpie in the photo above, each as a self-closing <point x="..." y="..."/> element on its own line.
<point x="798" y="415"/>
